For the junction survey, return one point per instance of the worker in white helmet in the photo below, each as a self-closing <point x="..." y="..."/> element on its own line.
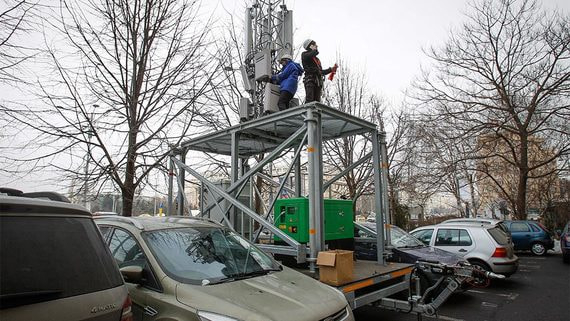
<point x="287" y="79"/>
<point x="314" y="73"/>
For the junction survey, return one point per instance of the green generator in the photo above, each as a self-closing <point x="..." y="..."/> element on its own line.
<point x="291" y="215"/>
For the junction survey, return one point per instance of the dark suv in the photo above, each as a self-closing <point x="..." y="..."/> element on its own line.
<point x="54" y="264"/>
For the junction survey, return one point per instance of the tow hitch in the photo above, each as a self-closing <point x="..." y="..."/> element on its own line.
<point x="427" y="301"/>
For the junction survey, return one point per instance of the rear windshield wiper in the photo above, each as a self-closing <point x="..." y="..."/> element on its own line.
<point x="16" y="299"/>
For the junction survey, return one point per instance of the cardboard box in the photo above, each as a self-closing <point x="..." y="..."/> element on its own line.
<point x="335" y="267"/>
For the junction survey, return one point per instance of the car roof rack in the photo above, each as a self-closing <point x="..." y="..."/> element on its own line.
<point x="124" y="219"/>
<point x="10" y="191"/>
<point x="181" y="219"/>
<point x="52" y="196"/>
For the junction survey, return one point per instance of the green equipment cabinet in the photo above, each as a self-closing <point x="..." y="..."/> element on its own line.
<point x="291" y="215"/>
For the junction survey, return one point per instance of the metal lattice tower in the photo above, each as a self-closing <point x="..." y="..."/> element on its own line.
<point x="268" y="36"/>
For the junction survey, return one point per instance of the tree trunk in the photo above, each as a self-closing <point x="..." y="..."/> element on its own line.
<point x="520" y="206"/>
<point x="128" y="200"/>
<point x="459" y="204"/>
<point x="129" y="184"/>
<point x="474" y="202"/>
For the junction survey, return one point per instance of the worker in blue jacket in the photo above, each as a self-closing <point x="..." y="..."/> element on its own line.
<point x="287" y="80"/>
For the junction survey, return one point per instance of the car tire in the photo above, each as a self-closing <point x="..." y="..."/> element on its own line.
<point x="481" y="281"/>
<point x="566" y="258"/>
<point x="538" y="249"/>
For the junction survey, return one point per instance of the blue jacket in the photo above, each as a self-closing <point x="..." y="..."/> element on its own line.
<point x="288" y="78"/>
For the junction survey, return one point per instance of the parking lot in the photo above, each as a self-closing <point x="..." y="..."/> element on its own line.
<point x="540" y="290"/>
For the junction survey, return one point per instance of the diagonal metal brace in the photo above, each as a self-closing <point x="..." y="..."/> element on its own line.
<point x="346" y="170"/>
<point x="257" y="167"/>
<point x="292" y="242"/>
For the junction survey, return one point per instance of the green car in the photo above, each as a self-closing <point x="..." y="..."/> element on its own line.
<point x="179" y="268"/>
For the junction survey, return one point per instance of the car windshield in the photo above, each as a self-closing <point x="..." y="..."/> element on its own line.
<point x="401" y="239"/>
<point x="398" y="237"/>
<point x="206" y="255"/>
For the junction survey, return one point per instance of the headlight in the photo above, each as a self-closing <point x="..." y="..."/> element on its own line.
<point x="209" y="316"/>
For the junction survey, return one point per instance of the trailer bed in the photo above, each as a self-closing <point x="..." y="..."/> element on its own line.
<point x="372" y="281"/>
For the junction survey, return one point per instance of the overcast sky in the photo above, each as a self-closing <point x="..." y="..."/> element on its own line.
<point x="384" y="38"/>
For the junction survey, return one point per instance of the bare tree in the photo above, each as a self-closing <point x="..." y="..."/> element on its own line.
<point x="16" y="25"/>
<point x="130" y="79"/>
<point x="349" y="93"/>
<point x="15" y="21"/>
<point x="409" y="183"/>
<point x="451" y="163"/>
<point x="504" y="78"/>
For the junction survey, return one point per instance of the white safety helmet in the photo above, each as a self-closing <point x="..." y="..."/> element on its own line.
<point x="286" y="56"/>
<point x="307" y="43"/>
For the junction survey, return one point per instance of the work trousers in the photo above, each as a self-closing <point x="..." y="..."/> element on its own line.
<point x="312" y="91"/>
<point x="284" y="100"/>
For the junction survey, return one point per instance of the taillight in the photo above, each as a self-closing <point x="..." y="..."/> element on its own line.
<point x="500" y="252"/>
<point x="127" y="312"/>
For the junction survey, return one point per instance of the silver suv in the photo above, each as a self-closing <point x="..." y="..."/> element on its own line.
<point x="194" y="269"/>
<point x="485" y="246"/>
<point x="54" y="264"/>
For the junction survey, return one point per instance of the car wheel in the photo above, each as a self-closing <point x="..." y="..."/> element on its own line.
<point x="538" y="249"/>
<point x="480" y="280"/>
<point x="566" y="258"/>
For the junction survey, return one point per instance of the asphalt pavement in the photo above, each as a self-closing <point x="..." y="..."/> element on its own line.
<point x="540" y="290"/>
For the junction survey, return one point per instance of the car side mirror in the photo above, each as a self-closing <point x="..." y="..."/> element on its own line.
<point x="132" y="273"/>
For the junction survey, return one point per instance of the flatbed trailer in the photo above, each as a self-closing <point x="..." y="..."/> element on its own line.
<point x="373" y="282"/>
<point x="293" y="131"/>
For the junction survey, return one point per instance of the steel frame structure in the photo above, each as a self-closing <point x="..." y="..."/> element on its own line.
<point x="299" y="129"/>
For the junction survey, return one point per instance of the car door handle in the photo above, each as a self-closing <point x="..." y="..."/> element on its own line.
<point x="462" y="250"/>
<point x="150" y="311"/>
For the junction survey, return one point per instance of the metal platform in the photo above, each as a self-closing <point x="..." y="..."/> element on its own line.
<point x="373" y="281"/>
<point x="264" y="134"/>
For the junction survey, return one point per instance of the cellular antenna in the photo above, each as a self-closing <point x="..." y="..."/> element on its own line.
<point x="268" y="36"/>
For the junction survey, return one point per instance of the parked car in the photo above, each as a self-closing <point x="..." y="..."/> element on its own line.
<point x="54" y="264"/>
<point x="478" y="220"/>
<point x="406" y="248"/>
<point x="565" y="243"/>
<point x="195" y="269"/>
<point x="485" y="246"/>
<point x="530" y="235"/>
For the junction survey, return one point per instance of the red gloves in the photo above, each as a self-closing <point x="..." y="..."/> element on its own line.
<point x="333" y="72"/>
